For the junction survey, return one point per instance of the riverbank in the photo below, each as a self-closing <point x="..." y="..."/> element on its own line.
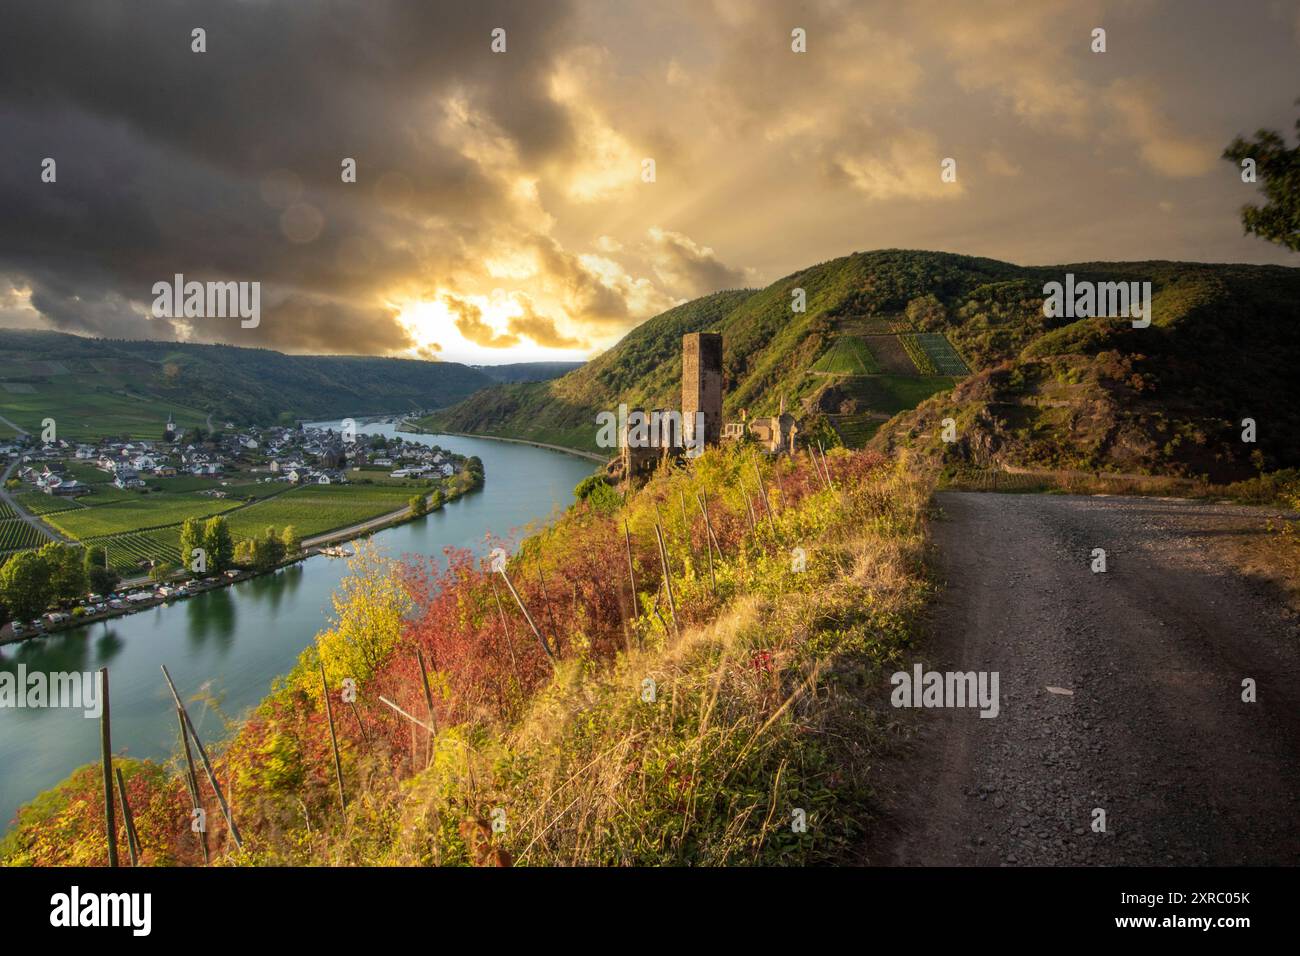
<point x="310" y="548"/>
<point x="408" y="426"/>
<point x="231" y="644"/>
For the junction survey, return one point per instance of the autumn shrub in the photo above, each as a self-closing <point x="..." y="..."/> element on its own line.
<point x="516" y="702"/>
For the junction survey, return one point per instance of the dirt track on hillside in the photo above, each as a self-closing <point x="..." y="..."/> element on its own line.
<point x="1155" y="731"/>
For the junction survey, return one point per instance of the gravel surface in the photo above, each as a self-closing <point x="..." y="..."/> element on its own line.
<point x="1154" y="731"/>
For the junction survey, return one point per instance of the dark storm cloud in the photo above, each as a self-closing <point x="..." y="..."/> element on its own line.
<point x="174" y="161"/>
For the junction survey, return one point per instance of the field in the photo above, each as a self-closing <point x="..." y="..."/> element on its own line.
<point x="16" y="534"/>
<point x="874" y="324"/>
<point x="80" y="412"/>
<point x="891" y="355"/>
<point x="146" y="511"/>
<point x="127" y="551"/>
<point x="894" y="393"/>
<point x="135" y="526"/>
<point x="942" y="355"/>
<point x="6" y="511"/>
<point x="319" y="508"/>
<point x="855" y="430"/>
<point x="90" y="474"/>
<point x="920" y="358"/>
<point x="848" y="355"/>
<point x="39" y="503"/>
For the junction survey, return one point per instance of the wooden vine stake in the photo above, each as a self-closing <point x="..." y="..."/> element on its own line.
<point x="505" y="629"/>
<point x="192" y="782"/>
<point x="668" y="581"/>
<point x="767" y="505"/>
<point x="428" y="703"/>
<point x="830" y="485"/>
<point x="106" y="756"/>
<point x="203" y="758"/>
<point x="334" y="740"/>
<point x="703" y="499"/>
<point x="527" y="617"/>
<point x="708" y="546"/>
<point x="132" y="838"/>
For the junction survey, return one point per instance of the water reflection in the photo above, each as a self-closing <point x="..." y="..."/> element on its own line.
<point x="235" y="641"/>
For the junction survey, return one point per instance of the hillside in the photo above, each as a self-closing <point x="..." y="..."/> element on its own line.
<point x="846" y="363"/>
<point x="886" y="330"/>
<point x="101" y="386"/>
<point x="526" y="371"/>
<point x="1097" y="394"/>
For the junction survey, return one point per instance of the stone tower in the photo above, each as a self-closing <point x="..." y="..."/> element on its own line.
<point x="702" y="384"/>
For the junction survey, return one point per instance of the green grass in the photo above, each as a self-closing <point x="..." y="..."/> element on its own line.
<point x="88" y="473"/>
<point x="6" y="511"/>
<point x="873" y="324"/>
<point x="847" y="355"/>
<point x="894" y="393"/>
<point x="855" y="430"/>
<point x="81" y="412"/>
<point x="238" y="486"/>
<point x="316" y="509"/>
<point x="148" y="511"/>
<point x="109" y="494"/>
<point x="39" y="503"/>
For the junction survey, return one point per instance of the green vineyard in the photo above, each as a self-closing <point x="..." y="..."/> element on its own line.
<point x="39" y="503"/>
<point x="129" y="554"/>
<point x="848" y="355"/>
<point x="920" y="358"/>
<point x="943" y="357"/>
<point x="17" y="535"/>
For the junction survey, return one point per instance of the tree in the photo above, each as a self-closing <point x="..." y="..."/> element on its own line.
<point x="161" y="571"/>
<point x="370" y="608"/>
<point x="65" y="566"/>
<point x="263" y="552"/>
<point x="436" y="499"/>
<point x="270" y="548"/>
<point x="25" y="585"/>
<point x="191" y="540"/>
<point x="245" y="552"/>
<point x="292" y="540"/>
<point x="100" y="578"/>
<point x="218" y="544"/>
<point x="1278" y="169"/>
<point x="418" y="506"/>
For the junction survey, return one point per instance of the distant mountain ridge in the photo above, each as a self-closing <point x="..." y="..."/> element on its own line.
<point x="130" y="385"/>
<point x="526" y="371"/>
<point x="887" y="331"/>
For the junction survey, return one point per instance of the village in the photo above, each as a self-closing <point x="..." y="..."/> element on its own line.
<point x="298" y="455"/>
<point x="278" y="494"/>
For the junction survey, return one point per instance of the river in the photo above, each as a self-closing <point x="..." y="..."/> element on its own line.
<point x="236" y="640"/>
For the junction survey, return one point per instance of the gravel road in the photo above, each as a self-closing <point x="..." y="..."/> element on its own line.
<point x="1154" y="731"/>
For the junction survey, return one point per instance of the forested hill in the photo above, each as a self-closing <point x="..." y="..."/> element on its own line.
<point x="113" y="386"/>
<point x="884" y="331"/>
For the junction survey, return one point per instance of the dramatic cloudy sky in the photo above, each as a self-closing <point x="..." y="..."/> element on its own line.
<point x="500" y="212"/>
